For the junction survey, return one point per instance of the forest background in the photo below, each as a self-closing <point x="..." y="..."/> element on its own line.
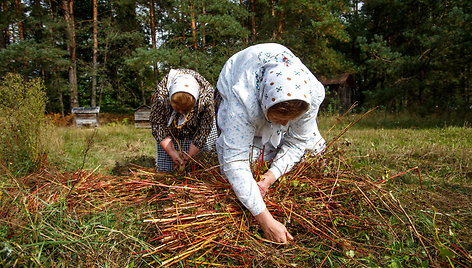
<point x="405" y="56"/>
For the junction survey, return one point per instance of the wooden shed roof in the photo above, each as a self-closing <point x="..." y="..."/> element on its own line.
<point x="341" y="79"/>
<point x="85" y="110"/>
<point x="146" y="107"/>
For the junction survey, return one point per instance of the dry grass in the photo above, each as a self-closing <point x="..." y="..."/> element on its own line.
<point x="194" y="219"/>
<point x="338" y="215"/>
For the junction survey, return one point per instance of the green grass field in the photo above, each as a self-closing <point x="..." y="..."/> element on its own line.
<point x="438" y="201"/>
<point x="441" y="150"/>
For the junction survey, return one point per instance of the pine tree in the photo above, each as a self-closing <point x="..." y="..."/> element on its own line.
<point x="68" y="6"/>
<point x="415" y="52"/>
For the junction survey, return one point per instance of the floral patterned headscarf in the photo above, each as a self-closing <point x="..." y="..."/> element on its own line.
<point x="281" y="81"/>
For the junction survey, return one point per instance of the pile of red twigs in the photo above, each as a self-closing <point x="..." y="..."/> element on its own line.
<point x="201" y="222"/>
<point x="81" y="190"/>
<point x="335" y="215"/>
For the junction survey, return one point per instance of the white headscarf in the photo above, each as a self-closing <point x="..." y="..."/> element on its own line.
<point x="281" y="82"/>
<point x="178" y="81"/>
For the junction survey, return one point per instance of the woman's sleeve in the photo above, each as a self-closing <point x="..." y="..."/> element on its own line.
<point x="206" y="116"/>
<point x="234" y="148"/>
<point x="159" y="107"/>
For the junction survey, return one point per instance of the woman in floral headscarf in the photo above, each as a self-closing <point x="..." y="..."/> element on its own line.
<point x="182" y="118"/>
<point x="270" y="101"/>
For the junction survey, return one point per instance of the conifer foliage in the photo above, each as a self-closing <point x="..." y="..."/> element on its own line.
<point x="404" y="55"/>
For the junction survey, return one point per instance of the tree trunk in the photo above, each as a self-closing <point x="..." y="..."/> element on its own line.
<point x="19" y="12"/>
<point x="272" y="14"/>
<point x="244" y="22"/>
<point x="104" y="78"/>
<point x="61" y="103"/>
<point x="50" y="9"/>
<point x="143" y="92"/>
<point x="280" y="22"/>
<point x="93" y="96"/>
<point x="6" y="32"/>
<point x="203" y="27"/>
<point x="153" y="32"/>
<point x="68" y="6"/>
<point x="466" y="87"/>
<point x="193" y="25"/>
<point x="3" y="41"/>
<point x="253" y="20"/>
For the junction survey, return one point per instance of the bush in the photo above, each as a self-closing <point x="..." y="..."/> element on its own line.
<point x="22" y="107"/>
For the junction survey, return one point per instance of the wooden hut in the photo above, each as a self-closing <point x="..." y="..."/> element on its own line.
<point x="86" y="116"/>
<point x="141" y="117"/>
<point x="340" y="89"/>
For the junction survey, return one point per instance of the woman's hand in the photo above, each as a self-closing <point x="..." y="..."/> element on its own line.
<point x="273" y="230"/>
<point x="192" y="151"/>
<point x="168" y="147"/>
<point x="175" y="156"/>
<point x="266" y="181"/>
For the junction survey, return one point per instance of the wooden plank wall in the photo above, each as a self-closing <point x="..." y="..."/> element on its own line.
<point x="141" y="117"/>
<point x="86" y="116"/>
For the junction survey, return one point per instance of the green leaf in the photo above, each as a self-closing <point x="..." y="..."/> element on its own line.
<point x="395" y="264"/>
<point x="445" y="252"/>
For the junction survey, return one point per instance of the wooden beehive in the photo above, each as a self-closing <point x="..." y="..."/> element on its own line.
<point x="86" y="116"/>
<point x="141" y="117"/>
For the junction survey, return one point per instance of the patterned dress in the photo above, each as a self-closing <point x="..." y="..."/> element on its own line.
<point x="200" y="129"/>
<point x="245" y="90"/>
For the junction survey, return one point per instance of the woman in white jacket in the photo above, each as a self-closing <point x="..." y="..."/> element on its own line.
<point x="269" y="104"/>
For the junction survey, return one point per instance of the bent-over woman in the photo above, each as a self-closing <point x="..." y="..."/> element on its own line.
<point x="182" y="118"/>
<point x="270" y="102"/>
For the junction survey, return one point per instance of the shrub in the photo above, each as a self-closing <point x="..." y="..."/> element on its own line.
<point x="22" y="107"/>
